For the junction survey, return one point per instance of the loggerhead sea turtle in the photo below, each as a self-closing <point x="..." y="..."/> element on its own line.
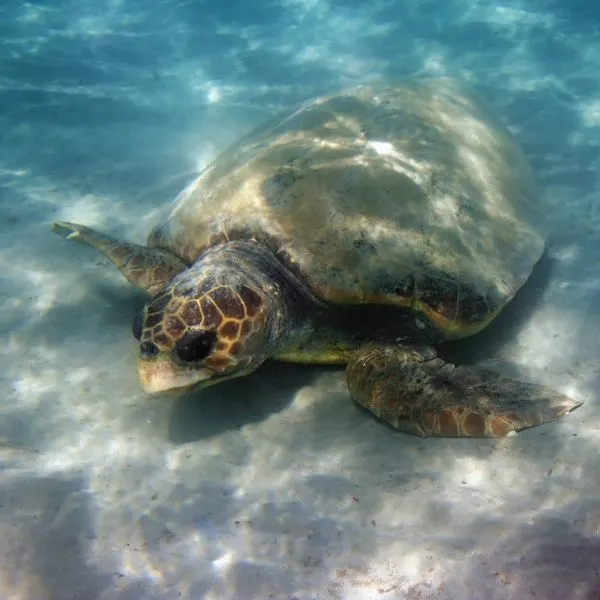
<point x="363" y="228"/>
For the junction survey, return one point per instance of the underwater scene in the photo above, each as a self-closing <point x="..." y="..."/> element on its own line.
<point x="300" y="300"/>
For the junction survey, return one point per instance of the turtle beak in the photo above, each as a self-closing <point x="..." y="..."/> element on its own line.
<point x="159" y="375"/>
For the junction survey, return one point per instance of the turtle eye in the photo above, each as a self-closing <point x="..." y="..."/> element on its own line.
<point x="136" y="327"/>
<point x="196" y="346"/>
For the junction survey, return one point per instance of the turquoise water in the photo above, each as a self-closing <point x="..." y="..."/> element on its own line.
<point x="274" y="486"/>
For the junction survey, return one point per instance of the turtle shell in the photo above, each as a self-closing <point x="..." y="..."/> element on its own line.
<point x="411" y="195"/>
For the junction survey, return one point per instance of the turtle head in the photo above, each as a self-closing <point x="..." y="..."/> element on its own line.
<point x="188" y="339"/>
<point x="219" y="319"/>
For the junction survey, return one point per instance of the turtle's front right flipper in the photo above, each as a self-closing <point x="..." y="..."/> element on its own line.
<point x="149" y="269"/>
<point x="431" y="398"/>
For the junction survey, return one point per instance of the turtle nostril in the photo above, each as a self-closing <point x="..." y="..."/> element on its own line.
<point x="136" y="327"/>
<point x="148" y="349"/>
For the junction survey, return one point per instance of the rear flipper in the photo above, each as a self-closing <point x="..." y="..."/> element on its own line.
<point x="149" y="269"/>
<point x="432" y="398"/>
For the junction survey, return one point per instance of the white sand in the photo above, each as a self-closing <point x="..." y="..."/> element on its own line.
<point x="275" y="486"/>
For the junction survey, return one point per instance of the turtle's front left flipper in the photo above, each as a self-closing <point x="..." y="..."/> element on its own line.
<point x="431" y="398"/>
<point x="149" y="269"/>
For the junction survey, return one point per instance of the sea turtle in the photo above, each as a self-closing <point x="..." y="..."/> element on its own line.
<point x="363" y="228"/>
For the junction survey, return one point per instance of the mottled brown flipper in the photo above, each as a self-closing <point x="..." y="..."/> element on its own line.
<point x="149" y="269"/>
<point x="431" y="398"/>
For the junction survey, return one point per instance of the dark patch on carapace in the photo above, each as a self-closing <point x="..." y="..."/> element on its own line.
<point x="456" y="301"/>
<point x="277" y="185"/>
<point x="441" y="295"/>
<point x="377" y="323"/>
<point x="473" y="306"/>
<point x="364" y="245"/>
<point x="405" y="288"/>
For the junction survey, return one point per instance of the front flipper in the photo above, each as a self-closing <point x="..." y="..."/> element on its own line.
<point x="149" y="269"/>
<point x="432" y="398"/>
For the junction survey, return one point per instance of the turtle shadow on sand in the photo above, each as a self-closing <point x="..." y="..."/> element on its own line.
<point x="233" y="404"/>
